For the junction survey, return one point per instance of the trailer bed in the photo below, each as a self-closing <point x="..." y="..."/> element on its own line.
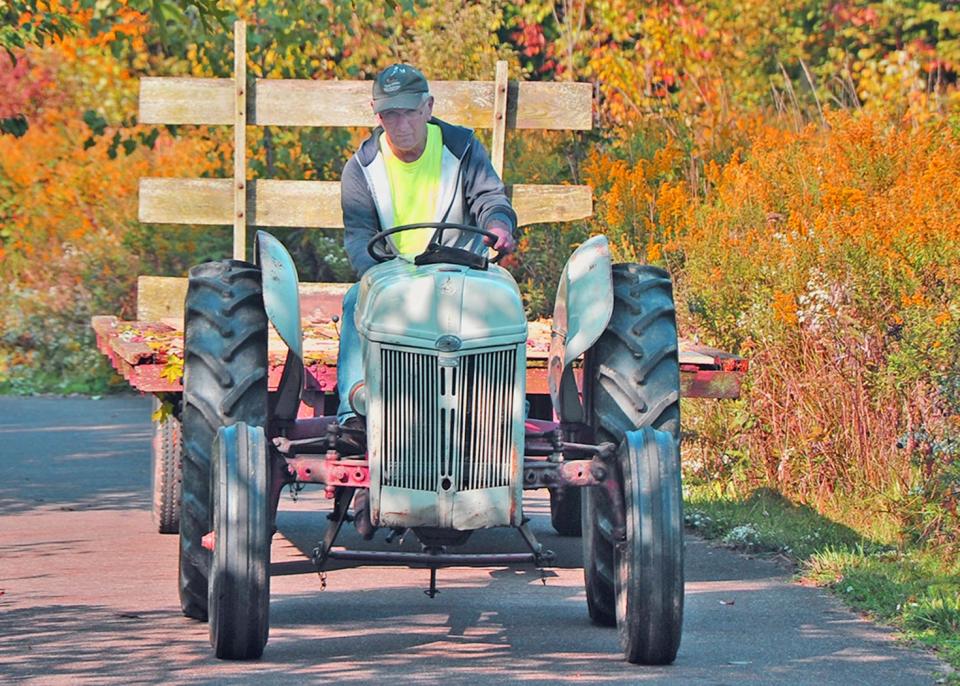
<point x="148" y="353"/>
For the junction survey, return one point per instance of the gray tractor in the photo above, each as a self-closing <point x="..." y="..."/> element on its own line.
<point x="449" y="446"/>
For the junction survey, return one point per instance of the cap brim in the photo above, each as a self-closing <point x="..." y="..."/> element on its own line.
<point x="400" y="101"/>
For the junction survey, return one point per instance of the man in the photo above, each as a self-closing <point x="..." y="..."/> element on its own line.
<point x="412" y="169"/>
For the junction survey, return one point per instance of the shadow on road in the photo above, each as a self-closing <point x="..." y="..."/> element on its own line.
<point x="57" y="454"/>
<point x="88" y="593"/>
<point x="303" y="525"/>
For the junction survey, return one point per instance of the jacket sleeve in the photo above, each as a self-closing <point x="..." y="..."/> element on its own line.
<point x="486" y="198"/>
<point x="360" y="220"/>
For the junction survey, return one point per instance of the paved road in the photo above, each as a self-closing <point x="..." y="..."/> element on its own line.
<point x="89" y="593"/>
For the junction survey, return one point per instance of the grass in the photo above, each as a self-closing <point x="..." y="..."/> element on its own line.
<point x="913" y="589"/>
<point x="90" y="375"/>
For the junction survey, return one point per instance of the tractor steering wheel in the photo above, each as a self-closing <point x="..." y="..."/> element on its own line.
<point x="377" y="246"/>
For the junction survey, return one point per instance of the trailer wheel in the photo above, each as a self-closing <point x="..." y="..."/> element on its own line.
<point x="565" y="505"/>
<point x="224" y="382"/>
<point x="167" y="456"/>
<point x="239" y="591"/>
<point x="649" y="563"/>
<point x="631" y="380"/>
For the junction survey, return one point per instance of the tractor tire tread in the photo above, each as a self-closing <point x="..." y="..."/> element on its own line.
<point x="631" y="380"/>
<point x="225" y="381"/>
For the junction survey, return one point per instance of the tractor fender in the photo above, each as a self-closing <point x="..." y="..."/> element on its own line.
<point x="281" y="300"/>
<point x="582" y="310"/>
<point x="281" y="297"/>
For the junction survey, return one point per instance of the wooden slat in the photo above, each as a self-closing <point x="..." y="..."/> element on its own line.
<point x="300" y="102"/>
<point x="463" y="103"/>
<point x="530" y="105"/>
<point x="174" y="100"/>
<point x="549" y="105"/>
<point x="239" y="140"/>
<point x="499" y="138"/>
<point x="316" y="204"/>
<point x="296" y="203"/>
<point x="540" y="203"/>
<point x="160" y="299"/>
<point x="270" y="202"/>
<point x="186" y="201"/>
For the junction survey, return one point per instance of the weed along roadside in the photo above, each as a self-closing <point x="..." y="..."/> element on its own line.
<point x="911" y="588"/>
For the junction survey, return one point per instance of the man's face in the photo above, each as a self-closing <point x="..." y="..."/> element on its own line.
<point x="406" y="130"/>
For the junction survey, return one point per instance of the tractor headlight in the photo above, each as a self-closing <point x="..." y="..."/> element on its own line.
<point x="358" y="399"/>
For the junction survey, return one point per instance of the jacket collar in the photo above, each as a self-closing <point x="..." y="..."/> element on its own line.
<point x="455" y="138"/>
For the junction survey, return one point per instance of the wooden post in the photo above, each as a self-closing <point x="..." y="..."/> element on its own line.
<point x="499" y="118"/>
<point x="240" y="140"/>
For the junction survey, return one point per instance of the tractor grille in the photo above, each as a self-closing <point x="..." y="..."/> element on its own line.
<point x="447" y="427"/>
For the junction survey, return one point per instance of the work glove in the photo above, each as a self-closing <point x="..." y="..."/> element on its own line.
<point x="505" y="243"/>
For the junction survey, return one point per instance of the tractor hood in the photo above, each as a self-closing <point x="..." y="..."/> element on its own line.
<point x="440" y="306"/>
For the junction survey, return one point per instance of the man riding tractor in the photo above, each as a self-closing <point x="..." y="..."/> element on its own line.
<point x="433" y="433"/>
<point x="413" y="169"/>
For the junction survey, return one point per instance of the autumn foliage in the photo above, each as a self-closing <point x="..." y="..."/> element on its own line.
<point x="795" y="165"/>
<point x="68" y="206"/>
<point x="831" y="258"/>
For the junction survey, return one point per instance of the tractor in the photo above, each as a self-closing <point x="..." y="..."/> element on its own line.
<point x="448" y="444"/>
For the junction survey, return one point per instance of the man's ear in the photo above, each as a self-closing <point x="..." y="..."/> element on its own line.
<point x="430" y="106"/>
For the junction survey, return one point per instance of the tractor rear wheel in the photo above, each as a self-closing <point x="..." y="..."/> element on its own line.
<point x="565" y="505"/>
<point x="239" y="593"/>
<point x="224" y="382"/>
<point x="598" y="570"/>
<point x="632" y="372"/>
<point x="167" y="457"/>
<point x="649" y="563"/>
<point x="631" y="380"/>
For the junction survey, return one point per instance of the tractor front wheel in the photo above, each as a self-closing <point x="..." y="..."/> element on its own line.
<point x="648" y="579"/>
<point x="224" y="382"/>
<point x="239" y="594"/>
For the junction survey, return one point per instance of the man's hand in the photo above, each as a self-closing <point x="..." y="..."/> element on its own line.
<point x="505" y="243"/>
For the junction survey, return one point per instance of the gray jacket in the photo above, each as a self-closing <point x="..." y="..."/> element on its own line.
<point x="470" y="193"/>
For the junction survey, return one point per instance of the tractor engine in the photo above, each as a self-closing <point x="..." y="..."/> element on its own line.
<point x="444" y="354"/>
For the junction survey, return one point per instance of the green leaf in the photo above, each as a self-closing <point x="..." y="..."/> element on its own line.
<point x="149" y="139"/>
<point x="95" y="121"/>
<point x="15" y="126"/>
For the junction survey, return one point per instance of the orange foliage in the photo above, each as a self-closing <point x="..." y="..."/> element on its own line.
<point x="68" y="203"/>
<point x="65" y="192"/>
<point x="830" y="255"/>
<point x="785" y="308"/>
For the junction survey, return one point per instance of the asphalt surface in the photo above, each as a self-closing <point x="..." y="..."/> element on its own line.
<point x="88" y="593"/>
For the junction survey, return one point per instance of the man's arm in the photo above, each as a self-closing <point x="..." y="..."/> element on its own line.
<point x="360" y="220"/>
<point x="486" y="198"/>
